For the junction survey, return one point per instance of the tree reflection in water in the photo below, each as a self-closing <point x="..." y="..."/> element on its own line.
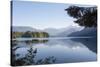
<point x="35" y="41"/>
<point x="29" y="58"/>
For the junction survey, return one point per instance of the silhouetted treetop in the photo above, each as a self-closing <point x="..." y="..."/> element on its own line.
<point x="86" y="16"/>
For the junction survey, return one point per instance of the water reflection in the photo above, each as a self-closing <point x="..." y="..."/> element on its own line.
<point x="35" y="41"/>
<point x="29" y="58"/>
<point x="90" y="43"/>
<point x="47" y="51"/>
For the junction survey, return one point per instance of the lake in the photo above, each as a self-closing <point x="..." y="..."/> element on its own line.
<point x="55" y="50"/>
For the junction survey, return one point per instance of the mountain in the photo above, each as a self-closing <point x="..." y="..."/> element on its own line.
<point x="67" y="31"/>
<point x="22" y="29"/>
<point x="85" y="32"/>
<point x="52" y="31"/>
<point x="62" y="32"/>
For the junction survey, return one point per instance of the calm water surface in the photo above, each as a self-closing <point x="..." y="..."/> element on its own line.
<point x="64" y="50"/>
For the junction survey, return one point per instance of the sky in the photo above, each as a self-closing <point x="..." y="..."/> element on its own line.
<point x="41" y="15"/>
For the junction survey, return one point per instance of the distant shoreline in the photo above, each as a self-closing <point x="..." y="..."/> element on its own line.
<point x="49" y="38"/>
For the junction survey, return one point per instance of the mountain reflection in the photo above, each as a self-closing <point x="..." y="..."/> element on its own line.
<point x="90" y="43"/>
<point x="47" y="51"/>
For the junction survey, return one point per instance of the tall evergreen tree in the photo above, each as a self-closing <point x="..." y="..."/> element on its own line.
<point x="86" y="16"/>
